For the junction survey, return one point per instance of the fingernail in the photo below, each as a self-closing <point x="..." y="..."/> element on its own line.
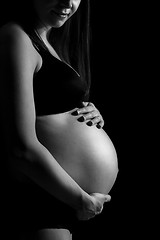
<point x="75" y="113"/>
<point x="81" y="119"/>
<point x="90" y="123"/>
<point x="98" y="126"/>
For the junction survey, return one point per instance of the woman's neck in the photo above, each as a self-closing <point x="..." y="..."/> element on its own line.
<point x="44" y="32"/>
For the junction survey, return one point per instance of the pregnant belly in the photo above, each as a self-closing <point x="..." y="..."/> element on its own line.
<point x="86" y="153"/>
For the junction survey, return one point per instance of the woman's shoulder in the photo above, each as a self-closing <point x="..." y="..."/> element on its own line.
<point x="12" y="36"/>
<point x="12" y="31"/>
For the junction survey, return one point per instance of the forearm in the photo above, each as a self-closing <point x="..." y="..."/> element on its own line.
<point x="40" y="166"/>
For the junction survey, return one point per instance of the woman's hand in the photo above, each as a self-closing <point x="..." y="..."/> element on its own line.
<point x="90" y="115"/>
<point x="94" y="207"/>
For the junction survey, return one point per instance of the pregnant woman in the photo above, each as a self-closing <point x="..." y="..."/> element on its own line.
<point x="60" y="163"/>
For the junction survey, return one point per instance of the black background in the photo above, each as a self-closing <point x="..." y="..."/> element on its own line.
<point x="119" y="66"/>
<point x="120" y="73"/>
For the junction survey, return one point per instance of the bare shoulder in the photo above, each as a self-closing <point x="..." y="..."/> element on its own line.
<point x="12" y="36"/>
<point x="12" y="32"/>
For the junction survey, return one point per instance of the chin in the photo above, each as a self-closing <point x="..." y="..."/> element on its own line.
<point x="57" y="23"/>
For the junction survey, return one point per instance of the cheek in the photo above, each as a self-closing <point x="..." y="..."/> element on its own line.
<point x="75" y="6"/>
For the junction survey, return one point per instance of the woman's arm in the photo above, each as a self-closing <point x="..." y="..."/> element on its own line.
<point x="18" y="61"/>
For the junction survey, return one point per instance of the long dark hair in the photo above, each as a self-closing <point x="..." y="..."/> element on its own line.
<point x="71" y="41"/>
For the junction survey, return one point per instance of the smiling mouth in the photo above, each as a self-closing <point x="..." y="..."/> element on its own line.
<point x="60" y="14"/>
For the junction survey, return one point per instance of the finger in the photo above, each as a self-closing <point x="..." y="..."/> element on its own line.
<point x="89" y="116"/>
<point x="86" y="109"/>
<point x="107" y="198"/>
<point x="88" y="106"/>
<point x="100" y="210"/>
<point x="92" y="115"/>
<point x="97" y="119"/>
<point x="100" y="124"/>
<point x="91" y="104"/>
<point x="80" y="111"/>
<point x="102" y="197"/>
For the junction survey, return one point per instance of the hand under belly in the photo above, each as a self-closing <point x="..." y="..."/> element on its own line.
<point x="86" y="153"/>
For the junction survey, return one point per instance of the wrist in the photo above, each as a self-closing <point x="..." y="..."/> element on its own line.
<point x="87" y="202"/>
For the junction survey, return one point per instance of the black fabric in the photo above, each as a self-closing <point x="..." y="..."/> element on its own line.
<point x="57" y="86"/>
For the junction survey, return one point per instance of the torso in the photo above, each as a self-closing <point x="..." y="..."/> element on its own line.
<point x="86" y="153"/>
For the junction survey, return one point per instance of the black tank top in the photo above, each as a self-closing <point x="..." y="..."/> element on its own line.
<point x="57" y="86"/>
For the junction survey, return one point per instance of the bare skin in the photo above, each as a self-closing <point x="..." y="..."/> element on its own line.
<point x="19" y="61"/>
<point x="45" y="234"/>
<point x="53" y="234"/>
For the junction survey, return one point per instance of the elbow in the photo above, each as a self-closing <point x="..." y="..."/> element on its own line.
<point x="22" y="157"/>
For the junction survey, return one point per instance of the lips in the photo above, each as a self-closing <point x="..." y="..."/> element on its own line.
<point x="66" y="11"/>
<point x="61" y="12"/>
